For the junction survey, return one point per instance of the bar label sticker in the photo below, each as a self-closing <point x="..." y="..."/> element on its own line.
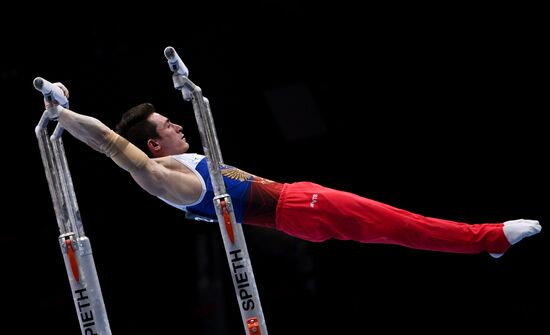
<point x="241" y="279"/>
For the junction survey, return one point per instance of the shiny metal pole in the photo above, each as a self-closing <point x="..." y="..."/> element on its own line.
<point x="75" y="246"/>
<point x="232" y="233"/>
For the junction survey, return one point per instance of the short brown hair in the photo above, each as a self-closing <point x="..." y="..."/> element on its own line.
<point x="135" y="127"/>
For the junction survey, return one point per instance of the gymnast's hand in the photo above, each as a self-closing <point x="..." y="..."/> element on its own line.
<point x="54" y="112"/>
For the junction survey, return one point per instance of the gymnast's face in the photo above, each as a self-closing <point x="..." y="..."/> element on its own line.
<point x="171" y="140"/>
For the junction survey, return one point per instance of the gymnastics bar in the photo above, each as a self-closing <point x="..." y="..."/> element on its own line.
<point x="232" y="233"/>
<point x="75" y="246"/>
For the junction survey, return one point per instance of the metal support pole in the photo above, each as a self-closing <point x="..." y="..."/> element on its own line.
<point x="232" y="233"/>
<point x="75" y="246"/>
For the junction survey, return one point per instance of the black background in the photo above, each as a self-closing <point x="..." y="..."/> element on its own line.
<point x="436" y="110"/>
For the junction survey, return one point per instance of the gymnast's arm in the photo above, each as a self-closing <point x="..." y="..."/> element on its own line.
<point x="151" y="174"/>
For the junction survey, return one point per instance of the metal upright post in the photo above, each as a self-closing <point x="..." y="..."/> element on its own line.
<point x="75" y="246"/>
<point x="232" y="233"/>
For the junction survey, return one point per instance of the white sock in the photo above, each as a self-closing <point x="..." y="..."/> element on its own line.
<point x="516" y="230"/>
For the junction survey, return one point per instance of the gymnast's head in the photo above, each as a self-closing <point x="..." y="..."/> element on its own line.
<point x="152" y="132"/>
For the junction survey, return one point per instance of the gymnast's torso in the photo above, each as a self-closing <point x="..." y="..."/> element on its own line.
<point x="254" y="198"/>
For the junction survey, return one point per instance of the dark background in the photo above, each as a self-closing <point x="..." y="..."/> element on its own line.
<point x="436" y="110"/>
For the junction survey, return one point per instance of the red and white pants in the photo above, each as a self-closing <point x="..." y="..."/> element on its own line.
<point x="316" y="213"/>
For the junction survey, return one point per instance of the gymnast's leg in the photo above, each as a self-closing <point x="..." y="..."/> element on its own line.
<point x="316" y="213"/>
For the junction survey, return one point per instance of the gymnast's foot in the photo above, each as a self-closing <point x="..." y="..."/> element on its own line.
<point x="516" y="230"/>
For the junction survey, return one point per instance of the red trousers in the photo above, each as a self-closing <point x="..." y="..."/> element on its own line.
<point x="316" y="213"/>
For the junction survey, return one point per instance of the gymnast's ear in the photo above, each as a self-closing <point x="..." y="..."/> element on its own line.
<point x="153" y="146"/>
